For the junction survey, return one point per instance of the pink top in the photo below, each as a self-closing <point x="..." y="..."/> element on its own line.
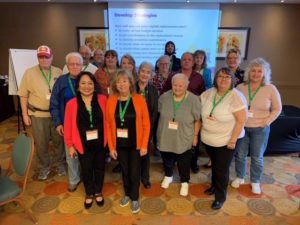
<point x="71" y="133"/>
<point x="266" y="105"/>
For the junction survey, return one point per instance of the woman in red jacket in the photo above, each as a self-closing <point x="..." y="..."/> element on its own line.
<point x="85" y="135"/>
<point x="128" y="133"/>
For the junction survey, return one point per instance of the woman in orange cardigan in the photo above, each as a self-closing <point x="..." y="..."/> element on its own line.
<point x="128" y="133"/>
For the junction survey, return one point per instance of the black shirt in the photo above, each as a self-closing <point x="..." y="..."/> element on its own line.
<point x="129" y="124"/>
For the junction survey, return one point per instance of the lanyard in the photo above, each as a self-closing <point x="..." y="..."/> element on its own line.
<point x="85" y="67"/>
<point x="250" y="95"/>
<point x="123" y="111"/>
<point x="216" y="103"/>
<point x="48" y="79"/>
<point x="176" y="106"/>
<point x="90" y="116"/>
<point x="71" y="86"/>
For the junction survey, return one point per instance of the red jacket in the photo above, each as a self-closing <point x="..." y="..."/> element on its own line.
<point x="142" y="121"/>
<point x="71" y="133"/>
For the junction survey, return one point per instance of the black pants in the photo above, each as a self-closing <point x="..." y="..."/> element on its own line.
<point x="130" y="162"/>
<point x="92" y="169"/>
<point x="183" y="164"/>
<point x="221" y="158"/>
<point x="145" y="162"/>
<point x="195" y="154"/>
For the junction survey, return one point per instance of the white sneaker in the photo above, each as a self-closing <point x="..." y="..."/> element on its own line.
<point x="184" y="190"/>
<point x="256" y="188"/>
<point x="237" y="182"/>
<point x="166" y="182"/>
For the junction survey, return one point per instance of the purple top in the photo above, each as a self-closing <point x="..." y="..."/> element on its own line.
<point x="196" y="85"/>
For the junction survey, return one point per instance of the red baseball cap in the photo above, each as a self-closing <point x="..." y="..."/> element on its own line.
<point x="44" y="50"/>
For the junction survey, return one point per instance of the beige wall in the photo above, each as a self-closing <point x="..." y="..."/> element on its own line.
<point x="275" y="34"/>
<point x="26" y="26"/>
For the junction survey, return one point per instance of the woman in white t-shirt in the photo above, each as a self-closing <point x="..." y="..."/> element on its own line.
<point x="223" y="114"/>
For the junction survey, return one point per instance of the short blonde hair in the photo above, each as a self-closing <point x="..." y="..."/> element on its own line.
<point x="265" y="67"/>
<point x="121" y="73"/>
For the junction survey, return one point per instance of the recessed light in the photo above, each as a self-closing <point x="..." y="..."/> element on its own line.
<point x="282" y="1"/>
<point x="187" y="1"/>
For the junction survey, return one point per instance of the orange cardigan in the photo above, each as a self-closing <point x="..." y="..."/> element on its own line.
<point x="142" y="122"/>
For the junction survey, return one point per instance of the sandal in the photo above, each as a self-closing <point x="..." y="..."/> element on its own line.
<point x="101" y="202"/>
<point x="88" y="205"/>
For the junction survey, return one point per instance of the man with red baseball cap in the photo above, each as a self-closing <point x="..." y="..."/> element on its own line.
<point x="35" y="92"/>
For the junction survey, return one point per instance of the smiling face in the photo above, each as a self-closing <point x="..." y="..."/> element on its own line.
<point x="123" y="85"/>
<point x="144" y="74"/>
<point x="163" y="65"/>
<point x="233" y="61"/>
<point x="170" y="49"/>
<point x="74" y="66"/>
<point x="256" y="74"/>
<point x="111" y="61"/>
<point x="187" y="61"/>
<point x="45" y="62"/>
<point x="127" y="64"/>
<point x="85" y="52"/>
<point x="199" y="58"/>
<point x="86" y="86"/>
<point x="223" y="81"/>
<point x="179" y="87"/>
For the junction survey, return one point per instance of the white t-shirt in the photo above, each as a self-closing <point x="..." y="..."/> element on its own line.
<point x="217" y="132"/>
<point x="90" y="68"/>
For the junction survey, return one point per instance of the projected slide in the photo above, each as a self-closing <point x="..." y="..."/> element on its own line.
<point x="143" y="31"/>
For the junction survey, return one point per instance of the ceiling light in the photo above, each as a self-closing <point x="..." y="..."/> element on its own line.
<point x="187" y="1"/>
<point x="282" y="1"/>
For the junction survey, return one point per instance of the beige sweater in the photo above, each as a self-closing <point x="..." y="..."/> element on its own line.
<point x="266" y="105"/>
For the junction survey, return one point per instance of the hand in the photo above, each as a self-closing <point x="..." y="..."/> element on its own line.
<point x="72" y="152"/>
<point x="143" y="151"/>
<point x="195" y="141"/>
<point x="60" y="130"/>
<point x="26" y="119"/>
<point x="114" y="154"/>
<point x="231" y="145"/>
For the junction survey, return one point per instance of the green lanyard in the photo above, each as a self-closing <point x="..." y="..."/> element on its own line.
<point x="91" y="116"/>
<point x="85" y="67"/>
<point x="176" y="106"/>
<point x="250" y="95"/>
<point x="216" y="103"/>
<point x="71" y="86"/>
<point x="48" y="79"/>
<point x="123" y="111"/>
<point x="171" y="64"/>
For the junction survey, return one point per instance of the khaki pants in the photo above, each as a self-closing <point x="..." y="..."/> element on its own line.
<point x="43" y="131"/>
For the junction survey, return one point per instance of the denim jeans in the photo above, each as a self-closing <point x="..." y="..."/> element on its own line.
<point x="254" y="142"/>
<point x="73" y="168"/>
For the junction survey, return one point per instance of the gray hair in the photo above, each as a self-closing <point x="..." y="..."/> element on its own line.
<point x="163" y="57"/>
<point x="145" y="64"/>
<point x="265" y="67"/>
<point x="181" y="76"/>
<point x="74" y="54"/>
<point x="82" y="47"/>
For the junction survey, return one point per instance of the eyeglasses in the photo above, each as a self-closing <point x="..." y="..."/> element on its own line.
<point x="224" y="77"/>
<point x="164" y="64"/>
<point x="74" y="64"/>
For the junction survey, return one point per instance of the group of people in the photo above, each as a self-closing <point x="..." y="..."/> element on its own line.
<point x="103" y="106"/>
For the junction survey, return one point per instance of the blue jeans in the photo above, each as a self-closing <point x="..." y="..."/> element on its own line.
<point x="254" y="142"/>
<point x="73" y="168"/>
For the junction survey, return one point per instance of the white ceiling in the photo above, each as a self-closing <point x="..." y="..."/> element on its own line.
<point x="177" y="1"/>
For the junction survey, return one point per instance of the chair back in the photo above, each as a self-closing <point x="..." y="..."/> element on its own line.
<point x="22" y="154"/>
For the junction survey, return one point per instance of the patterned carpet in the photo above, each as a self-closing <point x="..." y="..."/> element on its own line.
<point x="52" y="204"/>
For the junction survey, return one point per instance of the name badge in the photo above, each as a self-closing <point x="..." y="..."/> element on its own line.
<point x="91" y="135"/>
<point x="122" y="133"/>
<point x="108" y="90"/>
<point x="48" y="96"/>
<point x="173" y="125"/>
<point x="250" y="114"/>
